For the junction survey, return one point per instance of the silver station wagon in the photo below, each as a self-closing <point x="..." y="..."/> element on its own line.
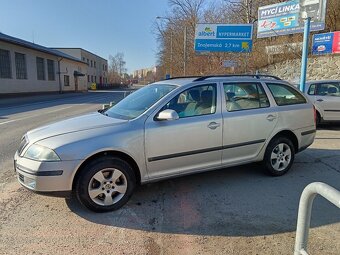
<point x="167" y="129"/>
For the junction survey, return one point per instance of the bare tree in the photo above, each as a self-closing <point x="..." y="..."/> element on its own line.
<point x="175" y="52"/>
<point x="117" y="68"/>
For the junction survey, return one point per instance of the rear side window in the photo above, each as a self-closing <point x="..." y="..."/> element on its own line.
<point x="244" y="96"/>
<point x="285" y="95"/>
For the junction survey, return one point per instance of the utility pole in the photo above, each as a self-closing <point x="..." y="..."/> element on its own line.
<point x="304" y="60"/>
<point x="185" y="51"/>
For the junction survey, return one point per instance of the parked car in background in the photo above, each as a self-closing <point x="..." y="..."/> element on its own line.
<point x="167" y="129"/>
<point x="325" y="95"/>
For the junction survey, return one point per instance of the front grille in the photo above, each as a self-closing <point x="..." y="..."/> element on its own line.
<point x="22" y="145"/>
<point x="21" y="178"/>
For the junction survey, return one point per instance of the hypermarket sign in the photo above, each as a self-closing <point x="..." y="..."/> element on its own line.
<point x="223" y="37"/>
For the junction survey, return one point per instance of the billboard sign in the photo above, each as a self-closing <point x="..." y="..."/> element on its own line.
<point x="322" y="44"/>
<point x="284" y="48"/>
<point x="229" y="63"/>
<point x="223" y="38"/>
<point x="326" y="43"/>
<point x="287" y="17"/>
<point x="336" y="42"/>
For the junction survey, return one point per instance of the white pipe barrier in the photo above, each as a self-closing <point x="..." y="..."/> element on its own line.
<point x="305" y="211"/>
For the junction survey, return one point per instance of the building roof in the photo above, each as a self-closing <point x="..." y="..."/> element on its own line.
<point x="66" y="48"/>
<point x="37" y="47"/>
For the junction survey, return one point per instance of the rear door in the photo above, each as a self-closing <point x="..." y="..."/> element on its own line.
<point x="248" y="120"/>
<point x="327" y="98"/>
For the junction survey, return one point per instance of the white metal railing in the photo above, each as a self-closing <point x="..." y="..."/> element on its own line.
<point x="305" y="211"/>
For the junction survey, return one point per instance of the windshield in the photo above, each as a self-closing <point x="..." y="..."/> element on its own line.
<point x="139" y="101"/>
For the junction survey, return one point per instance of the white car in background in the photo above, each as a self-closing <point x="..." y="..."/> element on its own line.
<point x="325" y="95"/>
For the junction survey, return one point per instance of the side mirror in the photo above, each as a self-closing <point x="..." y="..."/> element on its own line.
<point x="167" y="115"/>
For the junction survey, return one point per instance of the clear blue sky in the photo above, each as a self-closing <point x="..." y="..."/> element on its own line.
<point x="103" y="27"/>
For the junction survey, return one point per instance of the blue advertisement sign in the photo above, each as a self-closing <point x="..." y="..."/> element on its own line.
<point x="221" y="45"/>
<point x="323" y="44"/>
<point x="223" y="38"/>
<point x="286" y="18"/>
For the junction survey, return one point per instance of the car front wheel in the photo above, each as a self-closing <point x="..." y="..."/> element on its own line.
<point x="279" y="156"/>
<point x="105" y="184"/>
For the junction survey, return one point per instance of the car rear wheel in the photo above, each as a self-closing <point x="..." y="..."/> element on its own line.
<point x="105" y="184"/>
<point x="279" y="156"/>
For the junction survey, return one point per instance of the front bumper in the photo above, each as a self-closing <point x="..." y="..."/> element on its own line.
<point x="49" y="178"/>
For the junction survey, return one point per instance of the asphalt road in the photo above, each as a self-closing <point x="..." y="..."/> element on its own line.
<point x="231" y="211"/>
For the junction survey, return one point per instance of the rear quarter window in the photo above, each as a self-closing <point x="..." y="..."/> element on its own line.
<point x="285" y="95"/>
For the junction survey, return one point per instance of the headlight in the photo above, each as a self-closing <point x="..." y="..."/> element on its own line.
<point x="41" y="153"/>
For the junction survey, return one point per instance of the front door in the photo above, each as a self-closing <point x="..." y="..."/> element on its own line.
<point x="192" y="142"/>
<point x="76" y="83"/>
<point x="327" y="98"/>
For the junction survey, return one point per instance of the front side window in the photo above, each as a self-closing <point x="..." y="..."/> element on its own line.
<point x="20" y="66"/>
<point x="5" y="64"/>
<point x="196" y="101"/>
<point x="50" y="70"/>
<point x="328" y="89"/>
<point x="244" y="96"/>
<point x="40" y="68"/>
<point x="138" y="102"/>
<point x="285" y="95"/>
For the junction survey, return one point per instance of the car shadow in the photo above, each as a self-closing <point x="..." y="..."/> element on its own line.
<point x="329" y="126"/>
<point x="237" y="201"/>
<point x="30" y="103"/>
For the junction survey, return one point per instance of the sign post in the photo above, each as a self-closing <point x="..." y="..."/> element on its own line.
<point x="304" y="60"/>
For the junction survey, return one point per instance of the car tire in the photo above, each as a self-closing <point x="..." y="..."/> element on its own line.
<point x="279" y="156"/>
<point x="318" y="119"/>
<point x="105" y="184"/>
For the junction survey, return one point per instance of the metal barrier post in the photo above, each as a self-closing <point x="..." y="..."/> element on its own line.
<point x="305" y="210"/>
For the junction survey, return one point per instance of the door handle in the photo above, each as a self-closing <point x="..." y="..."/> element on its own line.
<point x="213" y="125"/>
<point x="271" y="117"/>
<point x="319" y="100"/>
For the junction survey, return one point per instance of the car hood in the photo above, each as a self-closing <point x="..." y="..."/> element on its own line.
<point x="76" y="124"/>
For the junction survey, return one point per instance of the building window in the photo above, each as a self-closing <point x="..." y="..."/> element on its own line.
<point x="88" y="78"/>
<point x="103" y="67"/>
<point x="5" y="64"/>
<point x="95" y="79"/>
<point x="94" y="63"/>
<point x="91" y="78"/>
<point x="66" y="80"/>
<point x="83" y="59"/>
<point x="20" y="66"/>
<point x="91" y="63"/>
<point x="50" y="70"/>
<point x="40" y="69"/>
<point x="88" y="61"/>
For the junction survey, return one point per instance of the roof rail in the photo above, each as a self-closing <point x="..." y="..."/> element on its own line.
<point x="257" y="76"/>
<point x="182" y="77"/>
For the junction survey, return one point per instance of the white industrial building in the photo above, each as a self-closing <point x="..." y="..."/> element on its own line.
<point x="28" y="67"/>
<point x="97" y="66"/>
